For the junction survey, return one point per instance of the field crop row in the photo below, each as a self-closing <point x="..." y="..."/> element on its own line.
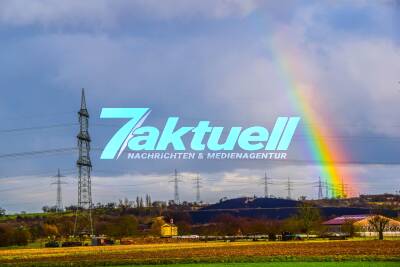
<point x="203" y="252"/>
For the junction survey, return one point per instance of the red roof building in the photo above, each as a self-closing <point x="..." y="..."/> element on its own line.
<point x="359" y="225"/>
<point x="345" y="219"/>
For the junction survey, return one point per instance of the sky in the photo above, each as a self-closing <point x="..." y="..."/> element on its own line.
<point x="199" y="60"/>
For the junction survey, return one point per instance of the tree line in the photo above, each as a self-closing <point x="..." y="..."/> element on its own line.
<point x="132" y="219"/>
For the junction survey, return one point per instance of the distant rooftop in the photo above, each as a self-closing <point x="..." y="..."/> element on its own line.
<point x="346" y="218"/>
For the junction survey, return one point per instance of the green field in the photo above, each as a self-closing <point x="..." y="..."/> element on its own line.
<point x="284" y="264"/>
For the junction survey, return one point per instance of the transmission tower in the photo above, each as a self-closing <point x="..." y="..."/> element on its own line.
<point x="320" y="196"/>
<point x="197" y="183"/>
<point x="326" y="189"/>
<point x="343" y="190"/>
<point x="176" y="182"/>
<point x="83" y="217"/>
<point x="333" y="192"/>
<point x="58" y="182"/>
<point x="176" y="189"/>
<point x="289" y="188"/>
<point x="266" y="183"/>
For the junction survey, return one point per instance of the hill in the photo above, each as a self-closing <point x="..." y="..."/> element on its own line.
<point x="253" y="203"/>
<point x="271" y="208"/>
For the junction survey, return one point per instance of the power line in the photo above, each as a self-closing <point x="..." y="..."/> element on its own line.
<point x="312" y="161"/>
<point x="359" y="137"/>
<point x="35" y="116"/>
<point x="350" y="162"/>
<point x="13" y="130"/>
<point x="20" y="187"/>
<point x="37" y="152"/>
<point x="32" y="174"/>
<point x="128" y="185"/>
<point x="305" y="137"/>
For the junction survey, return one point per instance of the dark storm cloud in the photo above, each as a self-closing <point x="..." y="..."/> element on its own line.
<point x="197" y="60"/>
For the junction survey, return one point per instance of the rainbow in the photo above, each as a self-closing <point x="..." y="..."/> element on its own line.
<point x="329" y="155"/>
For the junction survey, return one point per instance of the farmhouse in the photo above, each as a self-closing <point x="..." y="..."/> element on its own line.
<point x="359" y="225"/>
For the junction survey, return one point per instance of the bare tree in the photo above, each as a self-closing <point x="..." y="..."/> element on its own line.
<point x="309" y="217"/>
<point x="379" y="223"/>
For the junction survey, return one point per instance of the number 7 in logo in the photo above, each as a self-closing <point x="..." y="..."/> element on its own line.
<point x="119" y="141"/>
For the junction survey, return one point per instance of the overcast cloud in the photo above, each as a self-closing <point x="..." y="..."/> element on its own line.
<point x="210" y="60"/>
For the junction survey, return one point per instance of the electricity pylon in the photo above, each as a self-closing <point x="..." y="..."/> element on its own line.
<point x="83" y="217"/>
<point x="289" y="188"/>
<point x="266" y="183"/>
<point x="320" y="195"/>
<point x="343" y="190"/>
<point x="59" y="204"/>
<point x="326" y="185"/>
<point x="176" y="182"/>
<point x="197" y="183"/>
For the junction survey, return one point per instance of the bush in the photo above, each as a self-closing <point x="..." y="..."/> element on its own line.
<point x="21" y="236"/>
<point x="11" y="236"/>
<point x="118" y="227"/>
<point x="50" y="230"/>
<point x="6" y="233"/>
